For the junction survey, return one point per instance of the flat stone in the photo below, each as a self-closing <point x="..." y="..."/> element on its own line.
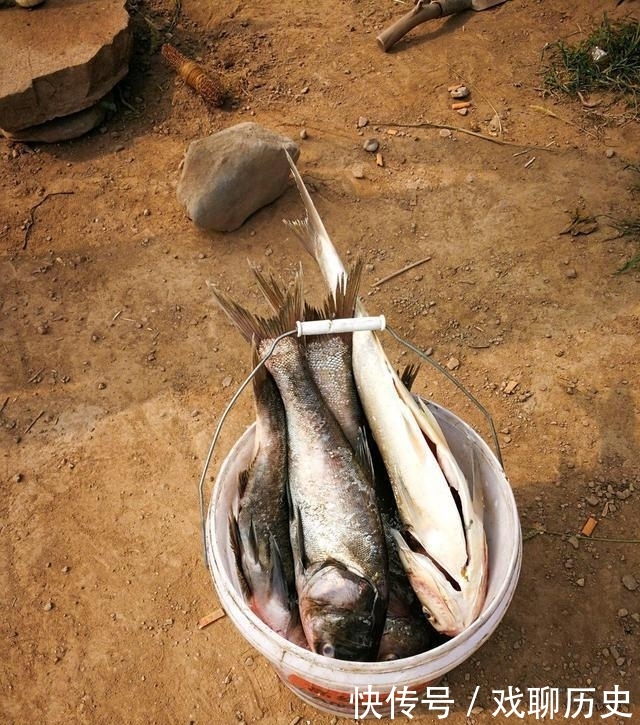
<point x="64" y="57"/>
<point x="61" y="129"/>
<point x="228" y="176"/>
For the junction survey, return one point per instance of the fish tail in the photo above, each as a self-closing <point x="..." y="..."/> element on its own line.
<point x="249" y="325"/>
<point x="272" y="290"/>
<point x="313" y="235"/>
<point x="302" y="229"/>
<point x="253" y="327"/>
<point x="345" y="296"/>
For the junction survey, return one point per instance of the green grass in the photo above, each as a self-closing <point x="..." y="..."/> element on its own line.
<point x="573" y="69"/>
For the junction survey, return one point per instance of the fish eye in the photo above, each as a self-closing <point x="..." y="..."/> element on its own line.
<point x="328" y="650"/>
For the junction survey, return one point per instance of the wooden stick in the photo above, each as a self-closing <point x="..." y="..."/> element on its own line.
<point x="33" y="422"/>
<point x="492" y="139"/>
<point x="400" y="271"/>
<point x="210" y="618"/>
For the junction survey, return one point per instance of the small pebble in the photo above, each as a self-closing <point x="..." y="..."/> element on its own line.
<point x="453" y="363"/>
<point x="304" y="134"/>
<point x="459" y="92"/>
<point x="623" y="612"/>
<point x="17" y="478"/>
<point x="445" y="133"/>
<point x="363" y="121"/>
<point x="371" y="145"/>
<point x="48" y="606"/>
<point x="630" y="582"/>
<point x="593" y="500"/>
<point x="463" y="111"/>
<point x="571" y="273"/>
<point x="573" y="540"/>
<point x="358" y="171"/>
<point x="580" y="582"/>
<point x="609" y="153"/>
<point x="227" y="381"/>
<point x="102" y="386"/>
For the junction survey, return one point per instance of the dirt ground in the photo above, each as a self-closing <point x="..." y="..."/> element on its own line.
<point x="116" y="366"/>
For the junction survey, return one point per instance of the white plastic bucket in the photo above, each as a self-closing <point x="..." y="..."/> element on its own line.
<point x="330" y="684"/>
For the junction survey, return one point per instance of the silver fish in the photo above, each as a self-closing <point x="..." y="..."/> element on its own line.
<point x="259" y="531"/>
<point x="329" y="356"/>
<point x="442" y="544"/>
<point x="336" y="532"/>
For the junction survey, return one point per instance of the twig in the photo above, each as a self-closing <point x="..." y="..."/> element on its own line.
<point x="549" y="112"/>
<point x="31" y="220"/>
<point x="177" y="8"/>
<point x="493" y="139"/>
<point x="400" y="271"/>
<point x="33" y="422"/>
<point x="4" y="405"/>
<point x="538" y="532"/>
<point x="35" y="376"/>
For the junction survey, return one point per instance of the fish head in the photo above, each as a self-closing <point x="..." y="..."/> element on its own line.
<point x="342" y="614"/>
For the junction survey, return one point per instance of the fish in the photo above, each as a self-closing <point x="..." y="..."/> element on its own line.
<point x="442" y="543"/>
<point x="336" y="532"/>
<point x="407" y="631"/>
<point x="259" y="531"/>
<point x="329" y="356"/>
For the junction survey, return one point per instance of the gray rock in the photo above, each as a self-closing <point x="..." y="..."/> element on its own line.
<point x="230" y="175"/>
<point x="64" y="58"/>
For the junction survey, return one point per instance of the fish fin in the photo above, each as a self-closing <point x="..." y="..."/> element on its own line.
<point x="363" y="453"/>
<point x="260" y="373"/>
<point x="342" y="304"/>
<point x="277" y="578"/>
<point x="236" y="548"/>
<point x="311" y="228"/>
<point x="313" y="235"/>
<point x="297" y="538"/>
<point x="409" y="375"/>
<point x="271" y="288"/>
<point x="243" y="479"/>
<point x="252" y="326"/>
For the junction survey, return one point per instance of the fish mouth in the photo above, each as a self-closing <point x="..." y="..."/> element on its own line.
<point x="342" y="614"/>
